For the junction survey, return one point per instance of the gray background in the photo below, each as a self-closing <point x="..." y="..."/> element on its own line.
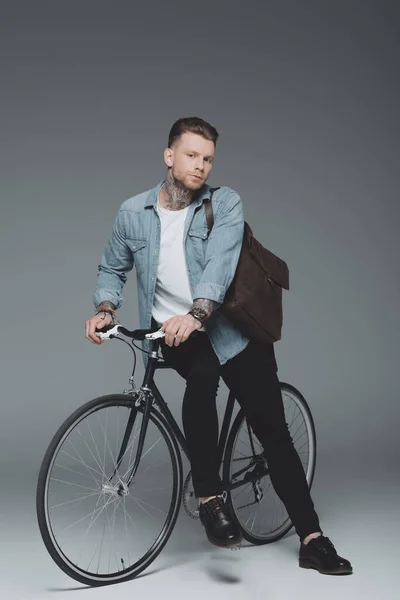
<point x="305" y="96"/>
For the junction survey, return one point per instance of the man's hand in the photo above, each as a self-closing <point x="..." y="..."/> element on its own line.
<point x="178" y="329"/>
<point x="96" y="322"/>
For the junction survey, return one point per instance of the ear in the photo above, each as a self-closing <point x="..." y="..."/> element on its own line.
<point x="169" y="157"/>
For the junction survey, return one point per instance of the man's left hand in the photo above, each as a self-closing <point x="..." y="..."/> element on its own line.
<point x="178" y="329"/>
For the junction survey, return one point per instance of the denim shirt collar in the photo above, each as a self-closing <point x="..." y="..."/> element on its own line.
<point x="201" y="194"/>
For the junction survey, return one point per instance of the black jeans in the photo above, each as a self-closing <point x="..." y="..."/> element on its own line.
<point x="252" y="376"/>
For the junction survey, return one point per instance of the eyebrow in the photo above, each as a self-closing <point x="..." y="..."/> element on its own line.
<point x="194" y="152"/>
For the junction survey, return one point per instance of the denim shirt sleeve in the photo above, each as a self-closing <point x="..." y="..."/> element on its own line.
<point x="223" y="249"/>
<point x="116" y="260"/>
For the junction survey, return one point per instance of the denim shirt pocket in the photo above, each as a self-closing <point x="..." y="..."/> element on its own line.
<point x="138" y="249"/>
<point x="199" y="240"/>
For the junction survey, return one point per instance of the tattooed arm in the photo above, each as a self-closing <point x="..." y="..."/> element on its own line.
<point x="203" y="308"/>
<point x="222" y="253"/>
<point x="204" y="303"/>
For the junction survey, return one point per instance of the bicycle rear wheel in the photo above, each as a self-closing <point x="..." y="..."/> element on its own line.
<point x="96" y="528"/>
<point x="253" y="501"/>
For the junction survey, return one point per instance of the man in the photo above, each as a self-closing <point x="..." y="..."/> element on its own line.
<point x="182" y="278"/>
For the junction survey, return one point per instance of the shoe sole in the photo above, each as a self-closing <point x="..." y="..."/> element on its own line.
<point x="231" y="545"/>
<point x="307" y="565"/>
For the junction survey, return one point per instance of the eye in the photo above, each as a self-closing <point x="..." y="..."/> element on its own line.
<point x="191" y="155"/>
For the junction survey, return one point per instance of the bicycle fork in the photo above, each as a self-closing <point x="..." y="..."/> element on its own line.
<point x="144" y="398"/>
<point x="147" y="403"/>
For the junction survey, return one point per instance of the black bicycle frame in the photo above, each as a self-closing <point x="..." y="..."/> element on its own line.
<point x="150" y="391"/>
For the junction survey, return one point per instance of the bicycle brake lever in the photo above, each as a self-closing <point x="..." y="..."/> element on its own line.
<point x="105" y="335"/>
<point x="155" y="335"/>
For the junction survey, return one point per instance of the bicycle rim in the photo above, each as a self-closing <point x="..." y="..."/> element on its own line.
<point x="98" y="529"/>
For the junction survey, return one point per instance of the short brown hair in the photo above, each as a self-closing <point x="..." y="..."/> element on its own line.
<point x="192" y="125"/>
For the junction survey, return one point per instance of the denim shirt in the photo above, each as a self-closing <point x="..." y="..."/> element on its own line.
<point x="211" y="262"/>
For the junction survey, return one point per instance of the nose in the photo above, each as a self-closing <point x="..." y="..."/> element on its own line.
<point x="199" y="164"/>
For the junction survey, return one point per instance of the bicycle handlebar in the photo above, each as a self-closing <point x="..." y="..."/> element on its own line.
<point x="110" y="331"/>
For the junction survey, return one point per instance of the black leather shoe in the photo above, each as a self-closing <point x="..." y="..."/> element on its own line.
<point x="220" y="528"/>
<point x="320" y="554"/>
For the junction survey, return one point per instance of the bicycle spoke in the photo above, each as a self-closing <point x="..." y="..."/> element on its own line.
<point x="97" y="450"/>
<point x="83" y="518"/>
<point x="126" y="528"/>
<point x="99" y="525"/>
<point x="74" y="500"/>
<point x="73" y="471"/>
<point x="143" y="456"/>
<point x="106" y="444"/>
<point x="70" y="483"/>
<point x="128" y="515"/>
<point x="139" y="502"/>
<point x="153" y="466"/>
<point x="101" y="546"/>
<point x="95" y="459"/>
<point x="80" y="461"/>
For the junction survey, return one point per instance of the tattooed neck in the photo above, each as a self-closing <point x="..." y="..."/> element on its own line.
<point x="173" y="196"/>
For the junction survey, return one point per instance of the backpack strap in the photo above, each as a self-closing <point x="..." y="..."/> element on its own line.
<point x="209" y="211"/>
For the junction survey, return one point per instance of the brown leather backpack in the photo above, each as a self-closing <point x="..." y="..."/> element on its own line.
<point x="253" y="301"/>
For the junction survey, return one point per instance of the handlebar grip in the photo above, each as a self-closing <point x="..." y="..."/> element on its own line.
<point x="137" y="334"/>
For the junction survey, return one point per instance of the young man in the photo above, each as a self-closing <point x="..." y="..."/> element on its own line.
<point x="182" y="278"/>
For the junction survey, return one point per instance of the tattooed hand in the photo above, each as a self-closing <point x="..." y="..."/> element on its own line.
<point x="178" y="329"/>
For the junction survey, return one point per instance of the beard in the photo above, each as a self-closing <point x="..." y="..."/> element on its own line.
<point x="184" y="184"/>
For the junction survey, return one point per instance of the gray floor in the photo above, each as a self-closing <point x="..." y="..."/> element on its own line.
<point x="358" y="509"/>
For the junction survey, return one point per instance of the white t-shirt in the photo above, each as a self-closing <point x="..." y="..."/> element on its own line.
<point x="172" y="292"/>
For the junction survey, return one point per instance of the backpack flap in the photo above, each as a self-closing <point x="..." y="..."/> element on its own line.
<point x="273" y="266"/>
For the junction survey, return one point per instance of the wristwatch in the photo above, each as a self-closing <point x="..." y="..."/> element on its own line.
<point x="199" y="313"/>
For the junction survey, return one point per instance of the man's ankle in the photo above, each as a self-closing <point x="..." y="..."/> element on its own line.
<point x="206" y="499"/>
<point x="311" y="536"/>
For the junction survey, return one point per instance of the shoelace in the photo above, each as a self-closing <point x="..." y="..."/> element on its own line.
<point x="215" y="505"/>
<point x="324" y="544"/>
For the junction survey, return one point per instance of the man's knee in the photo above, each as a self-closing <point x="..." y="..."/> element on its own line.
<point x="201" y="377"/>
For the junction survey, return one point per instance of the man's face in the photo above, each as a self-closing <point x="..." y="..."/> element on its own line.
<point x="190" y="156"/>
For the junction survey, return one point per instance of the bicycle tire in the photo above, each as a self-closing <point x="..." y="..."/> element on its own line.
<point x="41" y="502"/>
<point x="236" y="425"/>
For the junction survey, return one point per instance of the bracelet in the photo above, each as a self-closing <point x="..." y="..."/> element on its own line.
<point x="106" y="306"/>
<point x="108" y="311"/>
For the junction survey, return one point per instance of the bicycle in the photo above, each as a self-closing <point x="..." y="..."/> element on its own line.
<point x="111" y="481"/>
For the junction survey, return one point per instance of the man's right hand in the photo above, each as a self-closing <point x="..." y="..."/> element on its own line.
<point x="96" y="322"/>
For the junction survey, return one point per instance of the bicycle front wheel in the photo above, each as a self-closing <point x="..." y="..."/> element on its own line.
<point x="96" y="527"/>
<point x="253" y="501"/>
